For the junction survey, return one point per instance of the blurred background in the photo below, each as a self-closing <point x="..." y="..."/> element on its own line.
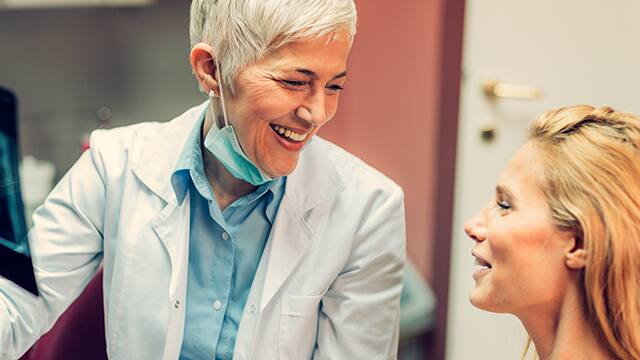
<point x="438" y="98"/>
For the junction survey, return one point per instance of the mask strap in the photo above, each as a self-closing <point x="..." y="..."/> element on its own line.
<point x="224" y="110"/>
<point x="212" y="94"/>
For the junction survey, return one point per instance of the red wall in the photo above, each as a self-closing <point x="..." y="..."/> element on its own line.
<point x="388" y="114"/>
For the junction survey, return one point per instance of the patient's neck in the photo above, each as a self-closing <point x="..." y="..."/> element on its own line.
<point x="563" y="331"/>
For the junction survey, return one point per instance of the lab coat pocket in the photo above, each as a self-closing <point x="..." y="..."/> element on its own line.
<point x="298" y="326"/>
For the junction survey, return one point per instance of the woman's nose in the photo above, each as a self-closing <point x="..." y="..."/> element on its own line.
<point x="476" y="228"/>
<point x="314" y="110"/>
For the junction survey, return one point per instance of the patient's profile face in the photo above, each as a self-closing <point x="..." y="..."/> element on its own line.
<point x="518" y="248"/>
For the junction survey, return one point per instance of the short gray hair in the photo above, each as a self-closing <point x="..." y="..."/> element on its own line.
<point x="244" y="31"/>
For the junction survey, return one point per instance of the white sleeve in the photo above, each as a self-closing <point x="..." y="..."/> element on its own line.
<point x="66" y="250"/>
<point x="360" y="312"/>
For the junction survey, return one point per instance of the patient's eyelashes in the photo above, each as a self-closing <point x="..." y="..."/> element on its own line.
<point x="503" y="204"/>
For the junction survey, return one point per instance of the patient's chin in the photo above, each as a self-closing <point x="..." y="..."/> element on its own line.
<point x="482" y="299"/>
<point x="477" y="300"/>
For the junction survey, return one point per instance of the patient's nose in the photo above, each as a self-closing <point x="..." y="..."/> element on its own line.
<point x="475" y="228"/>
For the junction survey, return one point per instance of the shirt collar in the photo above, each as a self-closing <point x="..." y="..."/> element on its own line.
<point x="273" y="190"/>
<point x="276" y="187"/>
<point x="189" y="164"/>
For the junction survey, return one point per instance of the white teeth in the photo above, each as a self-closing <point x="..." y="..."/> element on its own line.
<point x="482" y="263"/>
<point x="289" y="133"/>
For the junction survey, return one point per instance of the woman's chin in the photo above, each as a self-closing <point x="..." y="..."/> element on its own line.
<point x="480" y="299"/>
<point x="280" y="168"/>
<point x="476" y="300"/>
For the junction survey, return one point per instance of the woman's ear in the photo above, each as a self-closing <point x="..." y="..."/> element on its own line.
<point x="575" y="256"/>
<point x="203" y="67"/>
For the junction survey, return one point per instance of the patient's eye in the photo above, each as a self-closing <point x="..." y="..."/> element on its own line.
<point x="503" y="204"/>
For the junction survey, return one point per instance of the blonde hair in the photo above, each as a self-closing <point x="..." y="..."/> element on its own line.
<point x="244" y="31"/>
<point x="529" y="348"/>
<point x="591" y="162"/>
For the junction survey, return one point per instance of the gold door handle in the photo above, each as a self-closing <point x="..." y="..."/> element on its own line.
<point x="495" y="90"/>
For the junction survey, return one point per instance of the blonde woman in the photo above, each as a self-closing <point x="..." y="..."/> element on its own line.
<point x="559" y="247"/>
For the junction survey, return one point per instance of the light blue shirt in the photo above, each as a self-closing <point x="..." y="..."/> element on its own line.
<point x="225" y="248"/>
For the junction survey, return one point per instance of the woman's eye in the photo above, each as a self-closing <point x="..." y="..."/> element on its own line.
<point x="503" y="204"/>
<point x="335" y="88"/>
<point x="293" y="83"/>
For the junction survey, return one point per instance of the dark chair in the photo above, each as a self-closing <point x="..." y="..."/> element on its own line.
<point x="79" y="332"/>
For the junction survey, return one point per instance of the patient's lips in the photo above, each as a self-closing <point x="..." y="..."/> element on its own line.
<point x="485" y="266"/>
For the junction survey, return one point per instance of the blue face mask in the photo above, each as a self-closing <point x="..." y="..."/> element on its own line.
<point x="224" y="145"/>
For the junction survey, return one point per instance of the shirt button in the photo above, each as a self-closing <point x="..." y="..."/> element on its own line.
<point x="217" y="305"/>
<point x="225" y="236"/>
<point x="177" y="304"/>
<point x="252" y="309"/>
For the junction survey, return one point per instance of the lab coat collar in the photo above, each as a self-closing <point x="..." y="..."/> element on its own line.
<point x="160" y="151"/>
<point x="315" y="179"/>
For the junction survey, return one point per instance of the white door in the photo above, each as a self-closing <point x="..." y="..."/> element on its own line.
<point x="573" y="52"/>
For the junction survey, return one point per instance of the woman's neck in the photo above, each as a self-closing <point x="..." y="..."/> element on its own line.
<point x="564" y="332"/>
<point x="226" y="188"/>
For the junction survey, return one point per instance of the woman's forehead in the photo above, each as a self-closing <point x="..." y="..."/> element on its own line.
<point x="524" y="174"/>
<point x="311" y="55"/>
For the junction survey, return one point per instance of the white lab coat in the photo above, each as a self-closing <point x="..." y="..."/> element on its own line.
<point x="327" y="287"/>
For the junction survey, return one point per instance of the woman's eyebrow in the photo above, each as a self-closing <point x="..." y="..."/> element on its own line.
<point x="313" y="75"/>
<point x="504" y="191"/>
<point x="340" y="75"/>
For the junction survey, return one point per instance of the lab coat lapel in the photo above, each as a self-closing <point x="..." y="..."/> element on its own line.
<point x="172" y="227"/>
<point x="314" y="182"/>
<point x="289" y="242"/>
<point x="153" y="165"/>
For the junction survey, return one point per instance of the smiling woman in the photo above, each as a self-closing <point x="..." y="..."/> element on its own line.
<point x="559" y="247"/>
<point x="231" y="231"/>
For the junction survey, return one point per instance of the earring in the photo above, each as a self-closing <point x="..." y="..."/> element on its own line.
<point x="212" y="93"/>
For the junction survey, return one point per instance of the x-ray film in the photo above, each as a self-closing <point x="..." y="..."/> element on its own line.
<point x="15" y="260"/>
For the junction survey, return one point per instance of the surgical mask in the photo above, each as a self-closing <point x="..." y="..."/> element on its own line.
<point x="224" y="145"/>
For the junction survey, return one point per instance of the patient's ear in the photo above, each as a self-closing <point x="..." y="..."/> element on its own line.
<point x="575" y="256"/>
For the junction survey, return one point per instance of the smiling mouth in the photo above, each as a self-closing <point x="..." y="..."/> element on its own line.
<point x="480" y="261"/>
<point x="290" y="135"/>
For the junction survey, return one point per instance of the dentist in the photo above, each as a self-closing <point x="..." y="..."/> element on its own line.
<point x="231" y="231"/>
